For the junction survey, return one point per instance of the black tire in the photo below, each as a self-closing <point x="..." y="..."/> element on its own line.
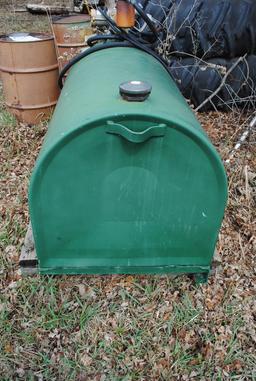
<point x="197" y="80"/>
<point x="204" y="28"/>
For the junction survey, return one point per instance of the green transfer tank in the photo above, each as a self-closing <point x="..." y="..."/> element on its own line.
<point x="126" y="181"/>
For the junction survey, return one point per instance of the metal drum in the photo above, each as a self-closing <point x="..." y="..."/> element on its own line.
<point x="29" y="73"/>
<point x="71" y="33"/>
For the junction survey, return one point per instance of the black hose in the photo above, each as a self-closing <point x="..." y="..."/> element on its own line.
<point x="103" y="46"/>
<point x="86" y="53"/>
<point x="102" y="37"/>
<point x="126" y="36"/>
<point x="121" y="39"/>
<point x="145" y="17"/>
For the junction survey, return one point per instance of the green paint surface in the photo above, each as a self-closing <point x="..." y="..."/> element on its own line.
<point x="100" y="203"/>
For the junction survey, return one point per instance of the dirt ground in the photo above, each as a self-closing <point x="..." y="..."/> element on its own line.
<point x="127" y="327"/>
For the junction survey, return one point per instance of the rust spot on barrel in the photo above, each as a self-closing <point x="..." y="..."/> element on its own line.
<point x="29" y="69"/>
<point x="71" y="33"/>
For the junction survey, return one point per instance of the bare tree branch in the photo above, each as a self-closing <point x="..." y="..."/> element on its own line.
<point x="240" y="59"/>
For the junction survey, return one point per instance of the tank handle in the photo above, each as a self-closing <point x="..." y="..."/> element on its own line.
<point x="135" y="137"/>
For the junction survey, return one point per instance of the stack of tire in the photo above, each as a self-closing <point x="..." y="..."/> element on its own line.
<point x="210" y="47"/>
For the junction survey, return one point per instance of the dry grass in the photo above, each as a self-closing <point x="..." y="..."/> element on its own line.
<point x="128" y="327"/>
<point x="11" y="21"/>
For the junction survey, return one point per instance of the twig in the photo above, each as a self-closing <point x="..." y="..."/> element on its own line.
<point x="242" y="139"/>
<point x="247" y="191"/>
<point x="222" y="83"/>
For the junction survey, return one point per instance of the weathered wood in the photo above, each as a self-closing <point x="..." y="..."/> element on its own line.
<point x="29" y="263"/>
<point x="52" y="9"/>
<point x="20" y="10"/>
<point x="216" y="263"/>
<point x="28" y="260"/>
<point x="28" y="271"/>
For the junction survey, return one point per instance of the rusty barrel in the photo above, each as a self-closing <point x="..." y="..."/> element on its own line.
<point x="29" y="69"/>
<point x="71" y="33"/>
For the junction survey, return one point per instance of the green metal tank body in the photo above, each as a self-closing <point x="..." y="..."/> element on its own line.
<point x="111" y="194"/>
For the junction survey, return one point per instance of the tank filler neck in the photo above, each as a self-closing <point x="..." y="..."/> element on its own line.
<point x="135" y="91"/>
